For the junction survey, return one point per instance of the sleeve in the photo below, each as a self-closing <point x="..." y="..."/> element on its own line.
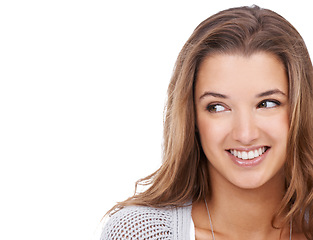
<point x="137" y="222"/>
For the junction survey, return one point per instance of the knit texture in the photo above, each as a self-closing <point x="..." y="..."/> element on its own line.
<point x="138" y="222"/>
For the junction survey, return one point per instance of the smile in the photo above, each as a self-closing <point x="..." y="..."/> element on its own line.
<point x="244" y="155"/>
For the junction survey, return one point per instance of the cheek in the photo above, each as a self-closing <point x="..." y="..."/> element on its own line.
<point x="277" y="128"/>
<point x="282" y="124"/>
<point x="211" y="131"/>
<point x="205" y="131"/>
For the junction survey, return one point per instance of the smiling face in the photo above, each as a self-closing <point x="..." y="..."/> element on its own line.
<point x="242" y="117"/>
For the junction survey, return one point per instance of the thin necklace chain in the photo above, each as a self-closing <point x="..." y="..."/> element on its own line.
<point x="212" y="230"/>
<point x="210" y="219"/>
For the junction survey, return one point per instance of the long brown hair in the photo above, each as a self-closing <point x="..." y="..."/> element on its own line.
<point x="183" y="176"/>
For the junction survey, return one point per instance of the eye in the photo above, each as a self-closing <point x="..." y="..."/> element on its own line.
<point x="214" y="108"/>
<point x="268" y="104"/>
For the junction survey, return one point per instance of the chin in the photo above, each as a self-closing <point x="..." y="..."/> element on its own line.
<point x="249" y="185"/>
<point x="252" y="181"/>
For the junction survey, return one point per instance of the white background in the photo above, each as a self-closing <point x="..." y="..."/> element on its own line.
<point x="82" y="90"/>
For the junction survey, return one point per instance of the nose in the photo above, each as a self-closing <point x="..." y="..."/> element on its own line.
<point x="245" y="128"/>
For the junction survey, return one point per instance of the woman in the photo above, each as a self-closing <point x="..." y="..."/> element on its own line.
<point x="238" y="153"/>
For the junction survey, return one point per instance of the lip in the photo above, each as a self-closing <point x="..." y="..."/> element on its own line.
<point x="248" y="149"/>
<point x="249" y="162"/>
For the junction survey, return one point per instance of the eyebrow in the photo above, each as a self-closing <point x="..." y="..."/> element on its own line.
<point x="262" y="94"/>
<point x="270" y="92"/>
<point x="213" y="94"/>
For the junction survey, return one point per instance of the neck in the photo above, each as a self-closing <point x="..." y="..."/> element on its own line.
<point x="246" y="213"/>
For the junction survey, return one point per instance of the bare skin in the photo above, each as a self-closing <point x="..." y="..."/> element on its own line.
<point x="241" y="214"/>
<point x="242" y="105"/>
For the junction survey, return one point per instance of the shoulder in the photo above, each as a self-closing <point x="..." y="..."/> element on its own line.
<point x="141" y="222"/>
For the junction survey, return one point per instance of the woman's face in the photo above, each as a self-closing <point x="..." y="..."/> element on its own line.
<point x="242" y="117"/>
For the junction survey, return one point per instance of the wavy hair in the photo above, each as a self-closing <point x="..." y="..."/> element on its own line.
<point x="183" y="175"/>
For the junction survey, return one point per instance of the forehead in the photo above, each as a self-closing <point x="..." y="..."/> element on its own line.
<point x="243" y="74"/>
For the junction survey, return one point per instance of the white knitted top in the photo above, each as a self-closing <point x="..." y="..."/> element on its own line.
<point x="138" y="222"/>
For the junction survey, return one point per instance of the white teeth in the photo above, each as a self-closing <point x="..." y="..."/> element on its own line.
<point x="251" y="154"/>
<point x="248" y="155"/>
<point x="244" y="155"/>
